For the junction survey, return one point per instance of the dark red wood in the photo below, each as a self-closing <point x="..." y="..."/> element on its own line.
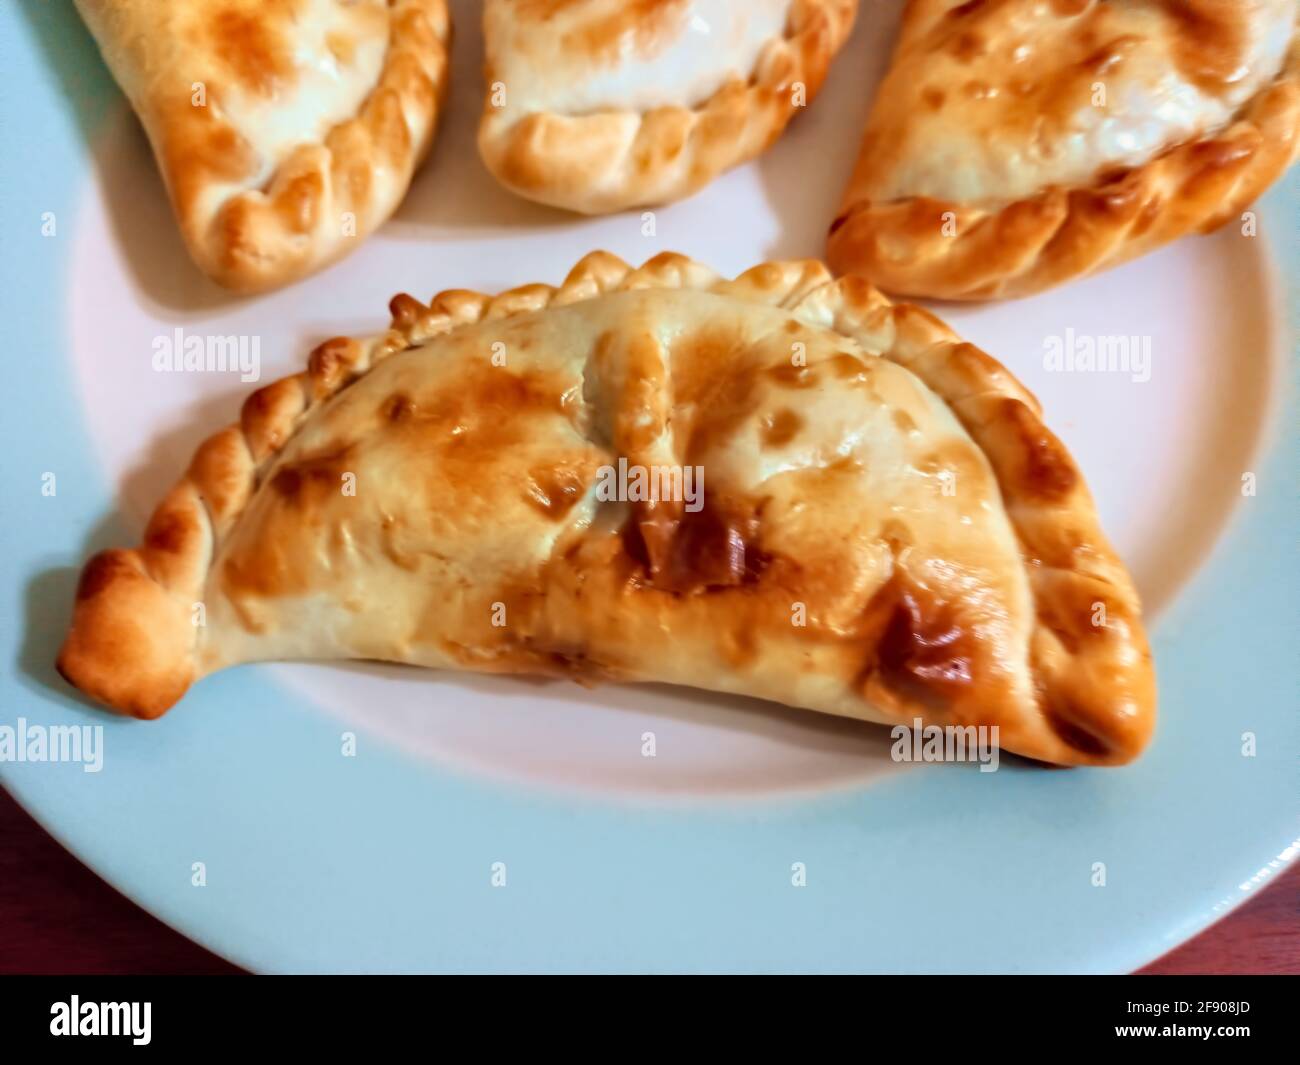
<point x="1262" y="935"/>
<point x="56" y="916"/>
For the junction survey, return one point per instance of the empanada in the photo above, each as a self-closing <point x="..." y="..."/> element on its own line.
<point x="1015" y="144"/>
<point x="881" y="526"/>
<point x="286" y="131"/>
<point x="600" y="105"/>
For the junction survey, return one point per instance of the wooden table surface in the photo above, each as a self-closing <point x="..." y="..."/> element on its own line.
<point x="56" y="916"/>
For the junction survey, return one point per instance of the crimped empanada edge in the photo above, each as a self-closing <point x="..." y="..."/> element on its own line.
<point x="565" y="160"/>
<point x="325" y="197"/>
<point x="938" y="249"/>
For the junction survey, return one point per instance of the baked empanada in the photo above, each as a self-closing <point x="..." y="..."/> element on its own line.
<point x="863" y="515"/>
<point x="286" y="131"/>
<point x="1016" y="144"/>
<point x="600" y="105"/>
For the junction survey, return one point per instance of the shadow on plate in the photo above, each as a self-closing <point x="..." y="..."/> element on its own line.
<point x="804" y="173"/>
<point x="47" y="608"/>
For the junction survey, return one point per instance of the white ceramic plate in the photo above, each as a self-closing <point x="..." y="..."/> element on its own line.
<point x="454" y="771"/>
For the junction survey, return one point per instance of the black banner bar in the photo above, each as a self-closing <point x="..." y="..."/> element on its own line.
<point x="1224" y="1014"/>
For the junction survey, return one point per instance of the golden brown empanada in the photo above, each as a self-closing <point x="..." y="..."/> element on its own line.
<point x="286" y="130"/>
<point x="600" y="105"/>
<point x="1015" y="144"/>
<point x="869" y="517"/>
